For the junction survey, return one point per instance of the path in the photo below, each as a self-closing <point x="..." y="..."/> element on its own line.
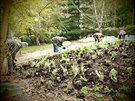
<point x="86" y="42"/>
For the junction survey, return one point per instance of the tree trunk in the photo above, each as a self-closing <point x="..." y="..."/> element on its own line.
<point x="37" y="40"/>
<point x="5" y="7"/>
<point x="99" y="17"/>
<point x="9" y="33"/>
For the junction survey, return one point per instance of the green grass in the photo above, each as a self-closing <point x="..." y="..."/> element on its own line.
<point x="35" y="48"/>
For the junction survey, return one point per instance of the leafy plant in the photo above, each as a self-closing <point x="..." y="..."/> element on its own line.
<point x="100" y="75"/>
<point x="100" y="53"/>
<point x="126" y="89"/>
<point x="65" y="71"/>
<point x="97" y="88"/>
<point x="113" y="55"/>
<point x="113" y="74"/>
<point x="120" y="96"/>
<point x="40" y="62"/>
<point x="108" y="90"/>
<point x="48" y="65"/>
<point x="85" y="90"/>
<point x="69" y="85"/>
<point x="33" y="64"/>
<point x="75" y="70"/>
<point x="83" y="78"/>
<point x="103" y="45"/>
<point x="129" y="70"/>
<point x="107" y="61"/>
<point x="124" y="54"/>
<point x="83" y="69"/>
<point x="65" y="58"/>
<point x="54" y="72"/>
<point x="52" y="62"/>
<point x="132" y="59"/>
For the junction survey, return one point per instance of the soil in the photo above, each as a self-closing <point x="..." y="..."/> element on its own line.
<point x="85" y="74"/>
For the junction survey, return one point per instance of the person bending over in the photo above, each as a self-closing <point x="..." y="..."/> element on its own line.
<point x="98" y="36"/>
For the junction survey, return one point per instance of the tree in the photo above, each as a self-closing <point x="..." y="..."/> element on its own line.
<point x="4" y="13"/>
<point x="40" y="16"/>
<point x="71" y="19"/>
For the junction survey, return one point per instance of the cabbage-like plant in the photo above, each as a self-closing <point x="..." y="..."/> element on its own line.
<point x="113" y="75"/>
<point x="100" y="75"/>
<point x="85" y="90"/>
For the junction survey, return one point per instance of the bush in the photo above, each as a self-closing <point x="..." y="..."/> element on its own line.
<point x="71" y="35"/>
<point x="30" y="40"/>
<point x="130" y="30"/>
<point x="45" y="37"/>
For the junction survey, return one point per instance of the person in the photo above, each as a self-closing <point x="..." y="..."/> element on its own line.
<point x="98" y="36"/>
<point x="13" y="46"/>
<point x="57" y="42"/>
<point x="121" y="34"/>
<point x="54" y="42"/>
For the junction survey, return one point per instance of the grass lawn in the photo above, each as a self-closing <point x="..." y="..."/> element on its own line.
<point x="41" y="47"/>
<point x="35" y="48"/>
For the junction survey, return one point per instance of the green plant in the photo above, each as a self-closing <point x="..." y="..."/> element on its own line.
<point x="97" y="88"/>
<point x="75" y="70"/>
<point x="107" y="61"/>
<point x="113" y="55"/>
<point x="103" y="45"/>
<point x="65" y="71"/>
<point x="113" y="74"/>
<point x="120" y="96"/>
<point x="100" y="75"/>
<point x="126" y="89"/>
<point x="85" y="90"/>
<point x="100" y="53"/>
<point x="65" y="58"/>
<point x="108" y="90"/>
<point x="39" y="63"/>
<point x="54" y="72"/>
<point x="132" y="59"/>
<point x="129" y="70"/>
<point x="33" y="64"/>
<point x="47" y="64"/>
<point x="124" y="53"/>
<point x="83" y="78"/>
<point x="69" y="85"/>
<point x="52" y="62"/>
<point x="83" y="69"/>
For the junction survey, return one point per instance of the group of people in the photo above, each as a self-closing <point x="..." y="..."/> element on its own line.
<point x="99" y="36"/>
<point x="14" y="45"/>
<point x="57" y="40"/>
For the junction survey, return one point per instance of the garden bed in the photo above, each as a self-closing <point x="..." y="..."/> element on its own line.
<point x="97" y="73"/>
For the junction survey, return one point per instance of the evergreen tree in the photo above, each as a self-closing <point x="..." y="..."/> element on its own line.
<point x="71" y="19"/>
